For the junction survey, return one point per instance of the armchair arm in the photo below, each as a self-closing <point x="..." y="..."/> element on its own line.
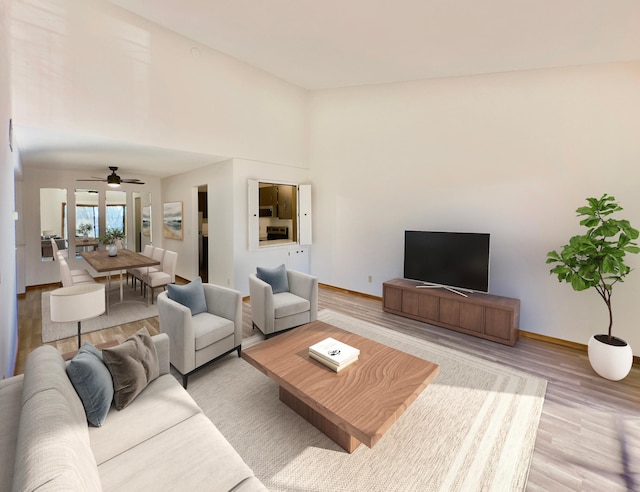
<point x="305" y="286"/>
<point x="262" y="310"/>
<point x="227" y="303"/>
<point x="175" y="321"/>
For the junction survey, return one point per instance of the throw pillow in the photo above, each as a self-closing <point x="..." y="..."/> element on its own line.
<point x="92" y="381"/>
<point x="133" y="364"/>
<point x="190" y="295"/>
<point x="276" y="277"/>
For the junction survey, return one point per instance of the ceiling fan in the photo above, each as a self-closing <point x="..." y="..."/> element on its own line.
<point x="113" y="179"/>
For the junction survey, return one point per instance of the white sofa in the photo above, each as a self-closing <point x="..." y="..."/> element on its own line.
<point x="161" y="441"/>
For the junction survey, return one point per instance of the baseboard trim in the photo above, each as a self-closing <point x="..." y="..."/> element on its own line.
<point x="564" y="343"/>
<point x="353" y="292"/>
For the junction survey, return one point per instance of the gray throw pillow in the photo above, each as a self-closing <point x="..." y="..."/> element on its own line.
<point x="190" y="295"/>
<point x="92" y="381"/>
<point x="133" y="364"/>
<point x="276" y="277"/>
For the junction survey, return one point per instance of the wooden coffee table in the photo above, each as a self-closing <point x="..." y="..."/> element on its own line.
<point x="356" y="405"/>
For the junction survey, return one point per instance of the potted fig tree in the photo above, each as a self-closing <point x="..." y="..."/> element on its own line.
<point x="596" y="259"/>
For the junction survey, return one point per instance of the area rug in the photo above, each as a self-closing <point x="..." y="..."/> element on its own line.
<point x="473" y="428"/>
<point x="120" y="313"/>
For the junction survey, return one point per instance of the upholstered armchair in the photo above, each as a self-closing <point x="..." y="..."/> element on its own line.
<point x="282" y="299"/>
<point x="203" y="321"/>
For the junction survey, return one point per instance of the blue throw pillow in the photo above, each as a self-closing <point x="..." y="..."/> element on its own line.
<point x="190" y="295"/>
<point x="276" y="277"/>
<point x="92" y="381"/>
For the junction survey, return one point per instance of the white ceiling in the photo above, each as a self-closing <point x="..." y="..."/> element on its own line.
<point x="335" y="43"/>
<point x="330" y="43"/>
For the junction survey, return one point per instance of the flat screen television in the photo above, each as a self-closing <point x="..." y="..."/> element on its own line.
<point x="448" y="259"/>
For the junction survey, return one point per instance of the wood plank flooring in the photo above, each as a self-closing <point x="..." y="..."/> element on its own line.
<point x="589" y="433"/>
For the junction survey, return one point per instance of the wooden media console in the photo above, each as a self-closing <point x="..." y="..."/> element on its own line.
<point x="486" y="316"/>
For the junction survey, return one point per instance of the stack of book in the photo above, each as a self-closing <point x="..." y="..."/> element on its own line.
<point x="334" y="354"/>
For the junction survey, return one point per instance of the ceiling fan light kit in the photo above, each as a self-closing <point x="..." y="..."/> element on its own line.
<point x="113" y="180"/>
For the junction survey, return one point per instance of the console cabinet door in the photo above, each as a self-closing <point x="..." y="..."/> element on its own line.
<point x="417" y="304"/>
<point x="450" y="312"/>
<point x="392" y="298"/>
<point x="498" y="323"/>
<point x="472" y="317"/>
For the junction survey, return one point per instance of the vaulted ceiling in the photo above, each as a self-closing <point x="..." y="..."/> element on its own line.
<point x="335" y="43"/>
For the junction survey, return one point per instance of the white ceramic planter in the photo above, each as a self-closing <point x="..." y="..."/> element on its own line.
<point x="113" y="249"/>
<point x="610" y="361"/>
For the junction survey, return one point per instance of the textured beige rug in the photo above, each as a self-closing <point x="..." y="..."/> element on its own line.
<point x="473" y="428"/>
<point x="126" y="312"/>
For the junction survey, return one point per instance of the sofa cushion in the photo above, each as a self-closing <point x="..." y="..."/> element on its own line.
<point x="133" y="364"/>
<point x="193" y="455"/>
<point x="276" y="277"/>
<point x="209" y="328"/>
<point x="190" y="295"/>
<point x="163" y="404"/>
<point x="286" y="304"/>
<point x="92" y="381"/>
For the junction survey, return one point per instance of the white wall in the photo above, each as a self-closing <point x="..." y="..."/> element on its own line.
<point x="511" y="154"/>
<point x="97" y="69"/>
<point x="246" y="261"/>
<point x="184" y="188"/>
<point x="8" y="162"/>
<point x="230" y="260"/>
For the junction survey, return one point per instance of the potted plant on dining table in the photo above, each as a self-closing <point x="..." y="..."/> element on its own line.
<point x="84" y="229"/>
<point x="111" y="239"/>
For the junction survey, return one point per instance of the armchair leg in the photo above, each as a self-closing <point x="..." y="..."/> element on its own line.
<point x="185" y="380"/>
<point x="239" y="349"/>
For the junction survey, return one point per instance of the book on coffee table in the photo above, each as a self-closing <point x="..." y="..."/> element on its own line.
<point x="331" y="365"/>
<point x="334" y="353"/>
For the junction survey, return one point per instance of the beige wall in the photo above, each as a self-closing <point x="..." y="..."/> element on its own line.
<point x="511" y="154"/>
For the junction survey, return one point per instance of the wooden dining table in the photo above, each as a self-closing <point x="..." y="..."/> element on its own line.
<point x="101" y="262"/>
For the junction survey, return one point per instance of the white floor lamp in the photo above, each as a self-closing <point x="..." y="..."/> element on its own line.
<point x="77" y="303"/>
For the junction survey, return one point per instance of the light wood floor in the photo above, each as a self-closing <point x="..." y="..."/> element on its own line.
<point x="589" y="433"/>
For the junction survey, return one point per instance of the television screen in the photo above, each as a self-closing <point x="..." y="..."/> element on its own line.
<point x="451" y="259"/>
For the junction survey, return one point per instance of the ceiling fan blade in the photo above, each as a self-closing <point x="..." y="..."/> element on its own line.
<point x="93" y="179"/>
<point x="132" y="181"/>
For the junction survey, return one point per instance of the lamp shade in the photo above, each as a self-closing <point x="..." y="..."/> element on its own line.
<point x="77" y="302"/>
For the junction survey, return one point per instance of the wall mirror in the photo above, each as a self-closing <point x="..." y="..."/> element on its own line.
<point x="116" y="213"/>
<point x="53" y="223"/>
<point x="87" y="220"/>
<point x="141" y="227"/>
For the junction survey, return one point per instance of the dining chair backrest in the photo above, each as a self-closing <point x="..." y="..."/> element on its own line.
<point x="158" y="254"/>
<point x="56" y="250"/>
<point x="148" y="250"/>
<point x="169" y="263"/>
<point x="65" y="273"/>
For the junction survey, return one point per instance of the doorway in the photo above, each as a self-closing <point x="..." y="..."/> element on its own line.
<point x="203" y="232"/>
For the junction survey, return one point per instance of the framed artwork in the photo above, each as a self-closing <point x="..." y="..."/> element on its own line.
<point x="146" y="220"/>
<point x="172" y="220"/>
